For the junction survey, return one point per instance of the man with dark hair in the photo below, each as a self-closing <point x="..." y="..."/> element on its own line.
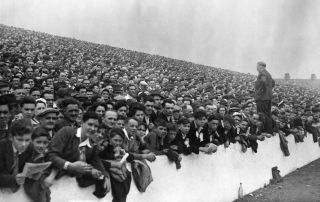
<point x="35" y="93"/>
<point x="198" y="135"/>
<point x="132" y="92"/>
<point x="263" y="94"/>
<point x="14" y="153"/>
<point x="70" y="110"/>
<point x="150" y="114"/>
<point x="4" y="88"/>
<point x="5" y="117"/>
<point x="27" y="105"/>
<point x="121" y="107"/>
<point x="49" y="97"/>
<point x="167" y="112"/>
<point x="47" y="120"/>
<point x="73" y="152"/>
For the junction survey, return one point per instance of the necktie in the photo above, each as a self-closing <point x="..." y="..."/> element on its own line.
<point x="15" y="165"/>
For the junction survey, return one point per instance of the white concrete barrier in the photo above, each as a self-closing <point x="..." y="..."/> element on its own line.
<point x="213" y="178"/>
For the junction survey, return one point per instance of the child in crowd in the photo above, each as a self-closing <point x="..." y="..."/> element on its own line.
<point x="14" y="154"/>
<point x="171" y="146"/>
<point x="120" y="177"/>
<point x="155" y="142"/>
<point x="120" y="121"/>
<point x="182" y="139"/>
<point x="37" y="188"/>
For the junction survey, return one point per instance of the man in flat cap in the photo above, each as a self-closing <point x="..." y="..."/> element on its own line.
<point x="263" y="94"/>
<point x="48" y="118"/>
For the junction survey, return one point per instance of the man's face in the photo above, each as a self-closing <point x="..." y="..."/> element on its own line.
<point x="27" y="88"/>
<point x="243" y="125"/>
<point x="179" y="101"/>
<point x="227" y="125"/>
<point x="4" y="115"/>
<point x="31" y="82"/>
<point x="27" y="110"/>
<point x="201" y="121"/>
<point x="89" y="94"/>
<point x="29" y="72"/>
<point x="122" y="111"/>
<point x="62" y="76"/>
<point x="185" y="128"/>
<point x="86" y="83"/>
<point x="5" y="90"/>
<point x="139" y="115"/>
<point x="210" y="109"/>
<point x="188" y="111"/>
<point x="49" y="120"/>
<point x="105" y="95"/>
<point x="110" y="119"/>
<point x="90" y="127"/>
<point x="168" y="109"/>
<point x="71" y="112"/>
<point x="213" y="124"/>
<point x="157" y="101"/>
<point x="49" y="98"/>
<point x="22" y="142"/>
<point x="132" y="127"/>
<point x="110" y="89"/>
<point x="149" y="107"/>
<point x="16" y="82"/>
<point x="120" y="123"/>
<point x="36" y="94"/>
<point x="49" y="82"/>
<point x="40" y="144"/>
<point x="162" y="131"/>
<point x="132" y="91"/>
<point x="100" y="111"/>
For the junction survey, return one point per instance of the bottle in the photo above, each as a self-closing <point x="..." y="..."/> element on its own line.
<point x="240" y="191"/>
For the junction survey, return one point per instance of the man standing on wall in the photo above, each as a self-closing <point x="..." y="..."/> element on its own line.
<point x="263" y="95"/>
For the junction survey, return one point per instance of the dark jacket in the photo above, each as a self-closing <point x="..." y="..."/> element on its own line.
<point x="199" y="141"/>
<point x="263" y="89"/>
<point x="7" y="179"/>
<point x="181" y="141"/>
<point x="63" y="123"/>
<point x="64" y="146"/>
<point x="154" y="143"/>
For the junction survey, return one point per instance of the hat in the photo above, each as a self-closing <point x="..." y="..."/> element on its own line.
<point x="156" y="93"/>
<point x="143" y="83"/>
<point x="261" y="63"/>
<point x="47" y="111"/>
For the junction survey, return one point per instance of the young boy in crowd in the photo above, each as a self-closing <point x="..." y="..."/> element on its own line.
<point x="171" y="146"/>
<point x="74" y="152"/>
<point x="36" y="188"/>
<point x="182" y="139"/>
<point x="14" y="153"/>
<point x="155" y="142"/>
<point x="198" y="134"/>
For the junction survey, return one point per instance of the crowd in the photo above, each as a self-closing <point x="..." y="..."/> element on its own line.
<point x="91" y="109"/>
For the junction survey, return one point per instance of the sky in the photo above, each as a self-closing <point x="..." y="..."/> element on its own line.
<point x="230" y="34"/>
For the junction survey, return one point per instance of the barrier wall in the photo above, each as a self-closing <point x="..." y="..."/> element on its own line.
<point x="213" y="178"/>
